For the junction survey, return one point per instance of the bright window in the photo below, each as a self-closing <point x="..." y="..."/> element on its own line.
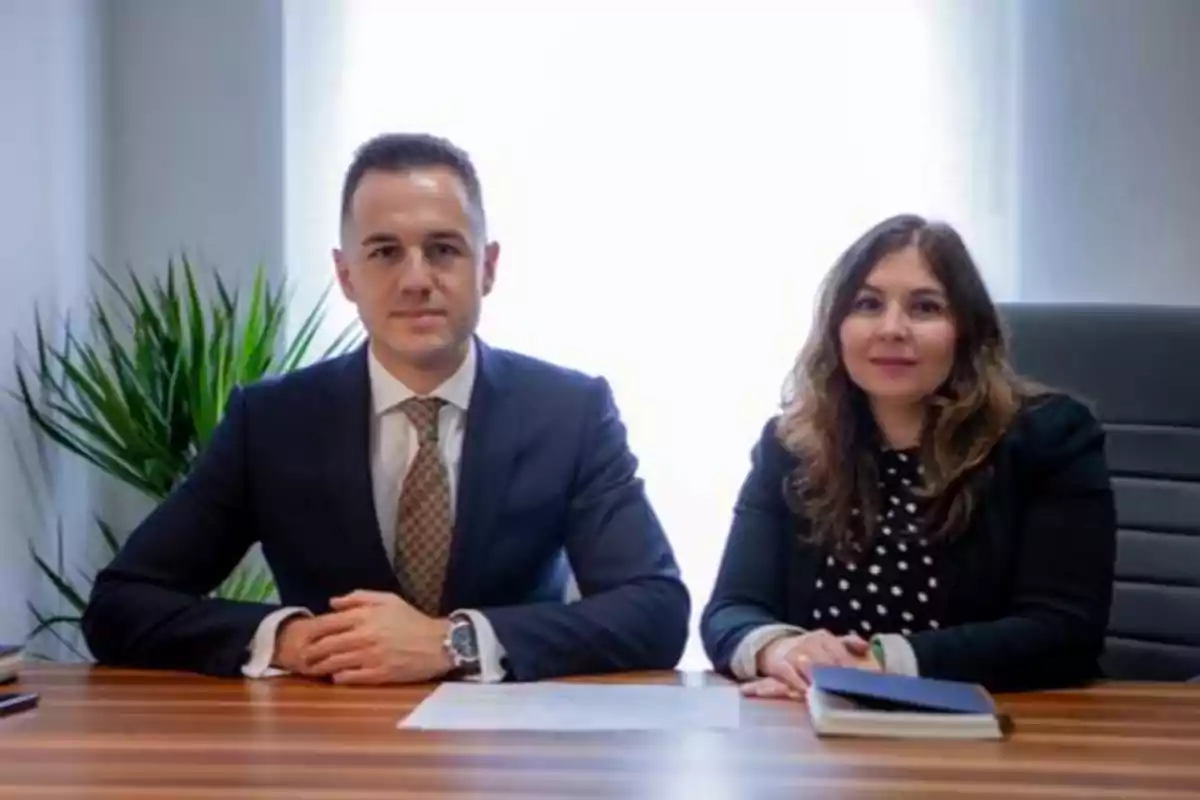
<point x="669" y="181"/>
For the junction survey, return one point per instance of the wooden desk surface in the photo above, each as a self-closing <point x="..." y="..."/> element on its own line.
<point x="134" y="735"/>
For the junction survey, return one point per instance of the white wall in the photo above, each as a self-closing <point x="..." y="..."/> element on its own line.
<point x="314" y="42"/>
<point x="51" y="222"/>
<point x="196" y="102"/>
<point x="1109" y="151"/>
<point x="981" y="44"/>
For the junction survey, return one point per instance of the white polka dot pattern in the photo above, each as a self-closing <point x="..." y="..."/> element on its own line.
<point x="887" y="588"/>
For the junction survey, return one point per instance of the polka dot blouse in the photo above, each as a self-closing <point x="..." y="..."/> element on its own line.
<point x="895" y="586"/>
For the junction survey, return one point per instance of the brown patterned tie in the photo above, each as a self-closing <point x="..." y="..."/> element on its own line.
<point x="423" y="524"/>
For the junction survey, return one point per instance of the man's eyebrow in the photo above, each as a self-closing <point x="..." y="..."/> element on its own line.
<point x="436" y="235"/>
<point x="447" y="234"/>
<point x="379" y="238"/>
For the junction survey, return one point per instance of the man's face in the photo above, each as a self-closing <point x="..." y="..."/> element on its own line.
<point x="414" y="262"/>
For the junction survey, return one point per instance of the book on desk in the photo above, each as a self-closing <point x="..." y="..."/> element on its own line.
<point x="852" y="702"/>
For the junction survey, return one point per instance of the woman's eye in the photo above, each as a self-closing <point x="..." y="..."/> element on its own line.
<point x="927" y="308"/>
<point x="866" y="303"/>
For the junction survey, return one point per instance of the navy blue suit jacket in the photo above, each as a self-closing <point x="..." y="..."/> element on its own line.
<point x="546" y="480"/>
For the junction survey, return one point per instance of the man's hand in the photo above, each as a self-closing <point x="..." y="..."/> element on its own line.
<point x="786" y="664"/>
<point x="292" y="640"/>
<point x="376" y="638"/>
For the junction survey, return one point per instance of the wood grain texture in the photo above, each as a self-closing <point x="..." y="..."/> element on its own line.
<point x="136" y="735"/>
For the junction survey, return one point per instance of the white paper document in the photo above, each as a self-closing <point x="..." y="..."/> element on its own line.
<point x="575" y="707"/>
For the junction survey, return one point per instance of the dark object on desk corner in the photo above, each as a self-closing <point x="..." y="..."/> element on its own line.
<point x="11" y="657"/>
<point x="852" y="702"/>
<point x="16" y="702"/>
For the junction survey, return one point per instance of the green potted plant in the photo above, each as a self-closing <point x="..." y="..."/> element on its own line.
<point x="139" y="398"/>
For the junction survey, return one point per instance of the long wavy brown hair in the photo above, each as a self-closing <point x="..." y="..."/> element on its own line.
<point x="827" y="423"/>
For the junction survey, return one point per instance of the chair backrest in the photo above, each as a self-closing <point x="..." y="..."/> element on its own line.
<point x="1139" y="368"/>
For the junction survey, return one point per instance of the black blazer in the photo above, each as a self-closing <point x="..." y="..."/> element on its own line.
<point x="547" y="483"/>
<point x="1029" y="583"/>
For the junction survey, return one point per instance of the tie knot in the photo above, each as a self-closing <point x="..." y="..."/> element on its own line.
<point x="422" y="412"/>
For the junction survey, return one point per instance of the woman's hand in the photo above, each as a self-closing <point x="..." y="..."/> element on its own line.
<point x="786" y="664"/>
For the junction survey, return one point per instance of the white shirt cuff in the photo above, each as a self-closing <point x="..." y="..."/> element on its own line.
<point x="744" y="664"/>
<point x="491" y="652"/>
<point x="898" y="655"/>
<point x="262" y="646"/>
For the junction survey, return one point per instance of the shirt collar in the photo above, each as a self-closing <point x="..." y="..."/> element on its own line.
<point x="387" y="392"/>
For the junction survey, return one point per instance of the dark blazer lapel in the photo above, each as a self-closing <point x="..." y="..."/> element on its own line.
<point x="489" y="445"/>
<point x="356" y="543"/>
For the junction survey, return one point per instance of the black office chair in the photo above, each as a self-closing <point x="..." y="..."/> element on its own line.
<point x="1139" y="366"/>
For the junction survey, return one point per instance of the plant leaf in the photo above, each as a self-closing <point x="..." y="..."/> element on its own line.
<point x="139" y="397"/>
<point x="60" y="582"/>
<point x="45" y="623"/>
<point x="110" y="538"/>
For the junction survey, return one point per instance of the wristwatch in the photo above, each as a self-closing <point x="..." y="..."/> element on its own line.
<point x="462" y="645"/>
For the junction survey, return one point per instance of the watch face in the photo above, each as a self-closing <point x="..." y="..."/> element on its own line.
<point x="462" y="640"/>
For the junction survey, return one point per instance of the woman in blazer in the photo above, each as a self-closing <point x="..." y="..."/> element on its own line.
<point x="916" y="507"/>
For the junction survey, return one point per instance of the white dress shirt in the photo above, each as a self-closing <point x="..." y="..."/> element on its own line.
<point x="393" y="447"/>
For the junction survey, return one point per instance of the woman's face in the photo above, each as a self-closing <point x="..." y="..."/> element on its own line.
<point x="898" y="339"/>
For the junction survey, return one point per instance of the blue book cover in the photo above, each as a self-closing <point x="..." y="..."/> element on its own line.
<point x="882" y="692"/>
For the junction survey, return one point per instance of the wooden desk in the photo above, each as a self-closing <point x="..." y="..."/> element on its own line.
<point x="135" y="735"/>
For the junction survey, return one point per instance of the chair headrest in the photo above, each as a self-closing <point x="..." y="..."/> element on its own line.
<point x="1136" y="364"/>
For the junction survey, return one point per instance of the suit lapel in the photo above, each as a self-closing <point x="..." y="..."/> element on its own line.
<point x="360" y="551"/>
<point x="489" y="445"/>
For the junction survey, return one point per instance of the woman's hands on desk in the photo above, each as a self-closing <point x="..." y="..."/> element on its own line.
<point x="786" y="664"/>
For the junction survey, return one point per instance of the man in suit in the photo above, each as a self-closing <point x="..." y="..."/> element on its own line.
<point x="423" y="502"/>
